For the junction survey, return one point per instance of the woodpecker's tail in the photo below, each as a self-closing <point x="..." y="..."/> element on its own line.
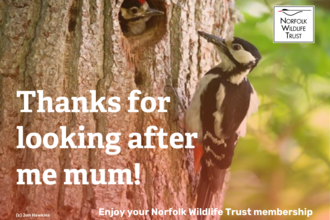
<point x="204" y="194"/>
<point x="210" y="181"/>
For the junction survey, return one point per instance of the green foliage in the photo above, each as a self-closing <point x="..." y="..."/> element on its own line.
<point x="285" y="156"/>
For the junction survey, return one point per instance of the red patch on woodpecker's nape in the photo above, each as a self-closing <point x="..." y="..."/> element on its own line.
<point x="142" y="1"/>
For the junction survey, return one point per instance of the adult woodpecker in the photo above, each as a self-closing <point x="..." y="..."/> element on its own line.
<point x="134" y="15"/>
<point x="218" y="112"/>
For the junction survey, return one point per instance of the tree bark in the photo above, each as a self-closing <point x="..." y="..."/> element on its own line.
<point x="67" y="48"/>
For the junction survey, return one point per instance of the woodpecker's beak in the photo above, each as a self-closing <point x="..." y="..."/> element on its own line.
<point x="213" y="39"/>
<point x="153" y="12"/>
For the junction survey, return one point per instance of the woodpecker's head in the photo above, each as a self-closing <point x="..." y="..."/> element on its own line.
<point x="236" y="54"/>
<point x="133" y="10"/>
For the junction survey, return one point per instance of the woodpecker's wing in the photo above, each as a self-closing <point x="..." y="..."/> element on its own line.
<point x="228" y="103"/>
<point x="216" y="107"/>
<point x="224" y="106"/>
<point x="235" y="106"/>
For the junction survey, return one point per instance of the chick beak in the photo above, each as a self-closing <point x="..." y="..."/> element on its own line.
<point x="213" y="39"/>
<point x="153" y="12"/>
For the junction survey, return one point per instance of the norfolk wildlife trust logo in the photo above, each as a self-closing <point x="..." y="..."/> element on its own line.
<point x="293" y="24"/>
<point x="291" y="12"/>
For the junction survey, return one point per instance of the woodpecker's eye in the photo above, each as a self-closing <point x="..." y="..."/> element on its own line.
<point x="236" y="46"/>
<point x="134" y="10"/>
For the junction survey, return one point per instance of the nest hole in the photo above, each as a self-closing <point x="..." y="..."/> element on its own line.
<point x="155" y="28"/>
<point x="138" y="79"/>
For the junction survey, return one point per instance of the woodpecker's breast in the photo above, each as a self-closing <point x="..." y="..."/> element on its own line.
<point x="253" y="108"/>
<point x="138" y="27"/>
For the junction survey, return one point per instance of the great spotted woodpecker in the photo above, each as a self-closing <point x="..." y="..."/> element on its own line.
<point x="218" y="112"/>
<point x="134" y="15"/>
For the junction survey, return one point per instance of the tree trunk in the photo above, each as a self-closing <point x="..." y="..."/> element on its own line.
<point x="67" y="48"/>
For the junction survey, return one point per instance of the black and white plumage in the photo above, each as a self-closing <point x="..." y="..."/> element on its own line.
<point x="218" y="112"/>
<point x="134" y="15"/>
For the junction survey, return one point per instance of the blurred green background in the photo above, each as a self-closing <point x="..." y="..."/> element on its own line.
<point x="283" y="162"/>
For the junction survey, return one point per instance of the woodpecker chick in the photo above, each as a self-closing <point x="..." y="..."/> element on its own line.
<point x="134" y="15"/>
<point x="218" y="112"/>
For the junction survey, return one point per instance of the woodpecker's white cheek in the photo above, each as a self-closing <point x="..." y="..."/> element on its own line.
<point x="242" y="56"/>
<point x="226" y="64"/>
<point x="124" y="13"/>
